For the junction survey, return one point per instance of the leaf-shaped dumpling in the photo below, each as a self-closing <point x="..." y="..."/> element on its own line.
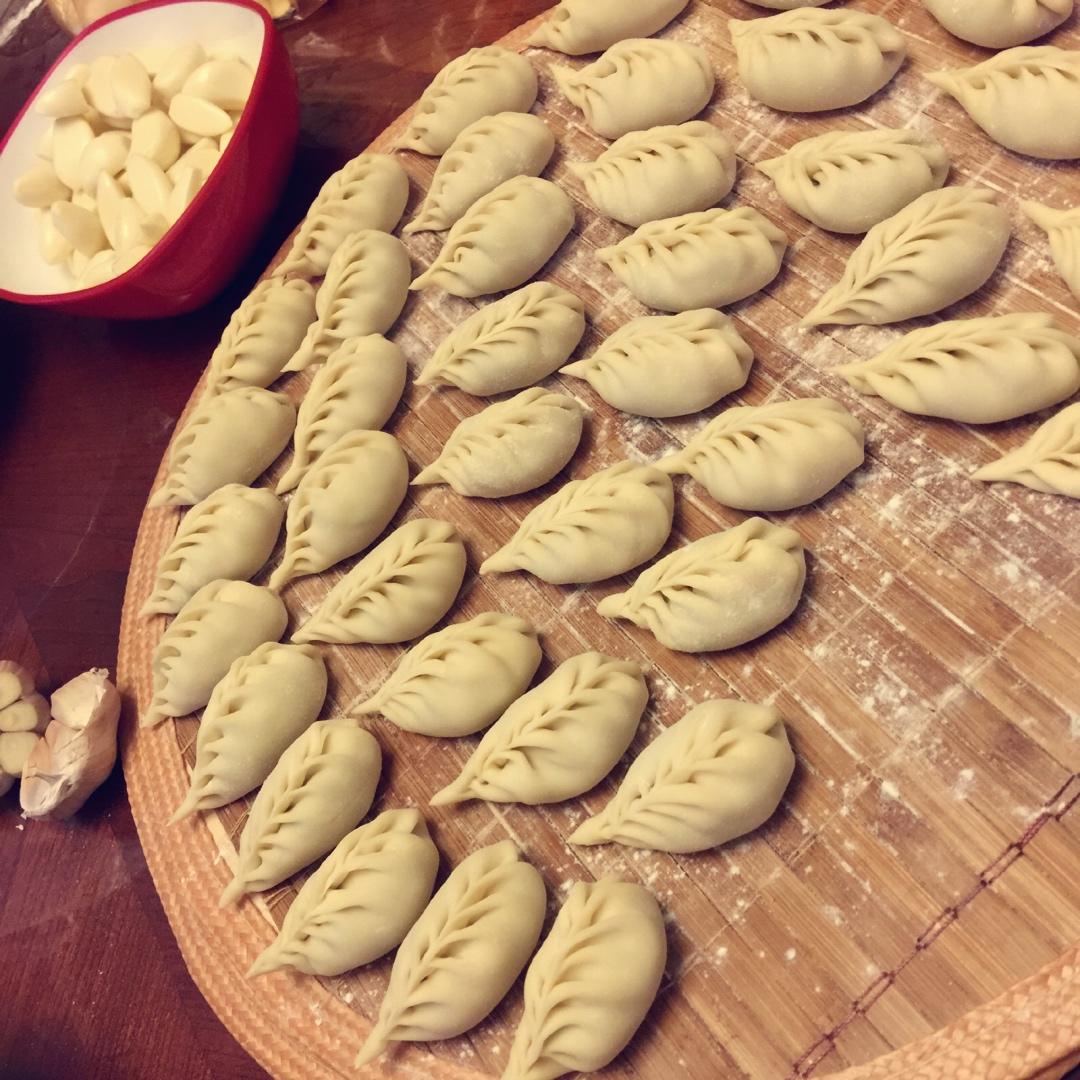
<point x="229" y="439"/>
<point x="716" y="774"/>
<point x="481" y="83"/>
<point x="660" y="173"/>
<point x="397" y="592"/>
<point x="230" y="535"/>
<point x="463" y="953"/>
<point x="317" y="793"/>
<point x="1026" y="99"/>
<point x="221" y="622"/>
<point x="999" y="24"/>
<point x="978" y="371"/>
<point x="343" y="502"/>
<point x="811" y="60"/>
<point x="559" y="740"/>
<point x="592" y="529"/>
<point x="364" y="290"/>
<point x="368" y="192"/>
<point x="718" y="592"/>
<point x="487" y="152"/>
<point x="510" y="447"/>
<point x="358" y="387"/>
<point x="265" y="330"/>
<point x="708" y="259"/>
<point x="265" y="701"/>
<point x="940" y="248"/>
<point x="1049" y="461"/>
<point x="772" y="457"/>
<point x="576" y="27"/>
<point x="460" y="679"/>
<point x="1062" y="228"/>
<point x="508" y="344"/>
<point x="502" y="240"/>
<point x="668" y="365"/>
<point x="639" y="83"/>
<point x="591" y="982"/>
<point x="848" y="181"/>
<point x="361" y="902"/>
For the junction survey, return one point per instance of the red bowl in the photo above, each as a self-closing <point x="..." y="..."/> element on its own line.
<point x="196" y="258"/>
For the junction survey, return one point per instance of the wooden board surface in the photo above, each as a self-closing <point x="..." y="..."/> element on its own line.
<point x="923" y="860"/>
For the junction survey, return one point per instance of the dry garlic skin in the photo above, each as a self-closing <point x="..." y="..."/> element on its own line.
<point x="265" y="701"/>
<point x="715" y="775"/>
<point x="978" y="371"/>
<point x="229" y="438"/>
<point x="576" y="27"/>
<point x="591" y="982"/>
<point x="343" y="502"/>
<point x="660" y="173"/>
<point x="937" y="250"/>
<point x="360" y="902"/>
<point x="668" y="365"/>
<point x="221" y="622"/>
<point x="999" y="24"/>
<point x="703" y="260"/>
<point x="848" y="181"/>
<point x="483" y="82"/>
<point x="502" y="240"/>
<point x="458" y="680"/>
<point x="464" y="952"/>
<point x="1049" y="461"/>
<point x="510" y="447"/>
<point x="775" y="456"/>
<point x="639" y="83"/>
<point x="811" y="60"/>
<point x="510" y="343"/>
<point x="559" y="740"/>
<point x="1026" y="99"/>
<point x="230" y="535"/>
<point x="718" y="592"/>
<point x="487" y="153"/>
<point x="1062" y="229"/>
<point x="592" y="529"/>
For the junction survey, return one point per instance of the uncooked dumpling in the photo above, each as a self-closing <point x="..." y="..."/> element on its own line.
<point x="317" y="793"/>
<point x="660" y="173"/>
<point x="592" y="529"/>
<point x="811" y="60"/>
<point x="1026" y="99"/>
<point x="361" y="902"/>
<point x="397" y="592"/>
<point x="718" y="592"/>
<point x="230" y="535"/>
<point x="668" y="365"/>
<point x="229" y="438"/>
<point x="483" y="82"/>
<point x="999" y="24"/>
<point x="1049" y="461"/>
<point x="220" y="623"/>
<point x="1062" y="228"/>
<point x="559" y="740"/>
<point x="510" y="447"/>
<point x="772" y="457"/>
<point x="639" y="83"/>
<point x="464" y="952"/>
<point x="591" y="982"/>
<point x="706" y="259"/>
<point x="787" y="5"/>
<point x="937" y="250"/>
<point x="502" y="240"/>
<point x="508" y="344"/>
<point x="265" y="701"/>
<point x="713" y="776"/>
<point x="848" y="181"/>
<point x="461" y="679"/>
<point x="343" y="502"/>
<point x="486" y="153"/>
<point x="576" y="27"/>
<point x="978" y="371"/>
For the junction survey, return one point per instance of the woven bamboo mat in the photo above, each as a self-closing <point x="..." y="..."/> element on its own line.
<point x="923" y="864"/>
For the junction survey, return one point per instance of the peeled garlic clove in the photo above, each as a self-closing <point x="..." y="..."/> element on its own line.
<point x="64" y="99"/>
<point x="85" y="200"/>
<point x="76" y="263"/>
<point x="29" y="713"/>
<point x="52" y="247"/>
<point x="15" y="682"/>
<point x="81" y="228"/>
<point x="199" y="116"/>
<point x="106" y="154"/>
<point x="225" y="139"/>
<point x="129" y="229"/>
<point x="150" y="186"/>
<point x="123" y="261"/>
<point x="71" y="136"/>
<point x="43" y="149"/>
<point x="155" y="137"/>
<point x="98" y="88"/>
<point x="130" y="86"/>
<point x="182" y="61"/>
<point x="15" y="747"/>
<point x="226" y="83"/>
<point x="153" y="57"/>
<point x="202" y="156"/>
<point x="154" y="227"/>
<point x="98" y="270"/>
<point x="185" y="188"/>
<point x="110" y="196"/>
<point x="39" y="187"/>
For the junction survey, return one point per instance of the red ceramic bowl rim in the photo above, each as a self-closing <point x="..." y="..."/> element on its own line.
<point x="169" y="239"/>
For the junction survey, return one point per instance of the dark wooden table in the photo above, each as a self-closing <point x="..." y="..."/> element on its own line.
<point x="94" y="983"/>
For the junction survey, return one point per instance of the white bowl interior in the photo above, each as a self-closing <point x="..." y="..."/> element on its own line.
<point x="222" y="29"/>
